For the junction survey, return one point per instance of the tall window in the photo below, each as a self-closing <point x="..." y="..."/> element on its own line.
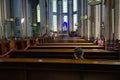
<point x="75" y="15"/>
<point x="54" y="15"/>
<point x="38" y="13"/>
<point x="65" y="15"/>
<point x="74" y="5"/>
<point x="65" y="6"/>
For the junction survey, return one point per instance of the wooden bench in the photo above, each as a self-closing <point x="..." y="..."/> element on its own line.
<point x="58" y="69"/>
<point x="4" y="46"/>
<point x="66" y="47"/>
<point x="20" y="44"/>
<point x="65" y="53"/>
<point x="66" y="40"/>
<point x="40" y="54"/>
<point x="0" y="48"/>
<point x="66" y="44"/>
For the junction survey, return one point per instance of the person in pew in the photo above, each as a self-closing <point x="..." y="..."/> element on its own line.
<point x="55" y="35"/>
<point x="51" y="34"/>
<point x="117" y="44"/>
<point x="99" y="41"/>
<point x="36" y="41"/>
<point x="45" y="35"/>
<point x="78" y="53"/>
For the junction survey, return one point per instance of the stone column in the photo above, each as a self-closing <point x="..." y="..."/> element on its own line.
<point x="119" y="22"/>
<point x="43" y="16"/>
<point x="85" y="20"/>
<point x="29" y="18"/>
<point x="50" y="13"/>
<point x="24" y="31"/>
<point x="17" y="9"/>
<point x="97" y="21"/>
<point x="82" y="9"/>
<point x="92" y="22"/>
<point x="117" y="19"/>
<point x="5" y="23"/>
<point x="79" y="18"/>
<point x="8" y="15"/>
<point x="103" y="19"/>
<point x="89" y="22"/>
<point x="108" y="27"/>
<point x="47" y="15"/>
<point x="3" y="18"/>
<point x="1" y="30"/>
<point x="70" y="16"/>
<point x="59" y="15"/>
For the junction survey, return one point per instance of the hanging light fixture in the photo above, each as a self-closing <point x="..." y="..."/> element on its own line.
<point x="94" y="2"/>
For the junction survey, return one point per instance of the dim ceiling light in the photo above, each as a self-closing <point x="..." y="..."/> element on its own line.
<point x="94" y="2"/>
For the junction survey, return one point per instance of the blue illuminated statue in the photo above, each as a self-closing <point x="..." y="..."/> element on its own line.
<point x="65" y="26"/>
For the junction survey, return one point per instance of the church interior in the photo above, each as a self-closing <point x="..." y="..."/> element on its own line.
<point x="59" y="39"/>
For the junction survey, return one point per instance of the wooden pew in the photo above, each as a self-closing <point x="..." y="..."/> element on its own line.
<point x="66" y="40"/>
<point x="21" y="43"/>
<point x="51" y="50"/>
<point x="66" y="47"/>
<point x="72" y="44"/>
<point x="0" y="48"/>
<point x="4" y="45"/>
<point x="40" y="54"/>
<point x="66" y="43"/>
<point x="58" y="69"/>
<point x="65" y="50"/>
<point x="65" y="53"/>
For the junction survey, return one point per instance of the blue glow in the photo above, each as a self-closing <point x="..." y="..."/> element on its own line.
<point x="65" y="26"/>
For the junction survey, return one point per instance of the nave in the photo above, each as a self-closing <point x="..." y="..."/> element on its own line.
<point x="59" y="39"/>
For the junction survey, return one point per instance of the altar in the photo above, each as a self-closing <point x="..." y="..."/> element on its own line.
<point x="63" y="34"/>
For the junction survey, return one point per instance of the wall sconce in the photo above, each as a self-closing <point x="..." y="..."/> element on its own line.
<point x="10" y="19"/>
<point x="34" y="24"/>
<point x="84" y="17"/>
<point x="94" y="2"/>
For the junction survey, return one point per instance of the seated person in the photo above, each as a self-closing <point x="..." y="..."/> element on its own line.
<point x="50" y="34"/>
<point x="54" y="35"/>
<point x="45" y="35"/>
<point x="78" y="53"/>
